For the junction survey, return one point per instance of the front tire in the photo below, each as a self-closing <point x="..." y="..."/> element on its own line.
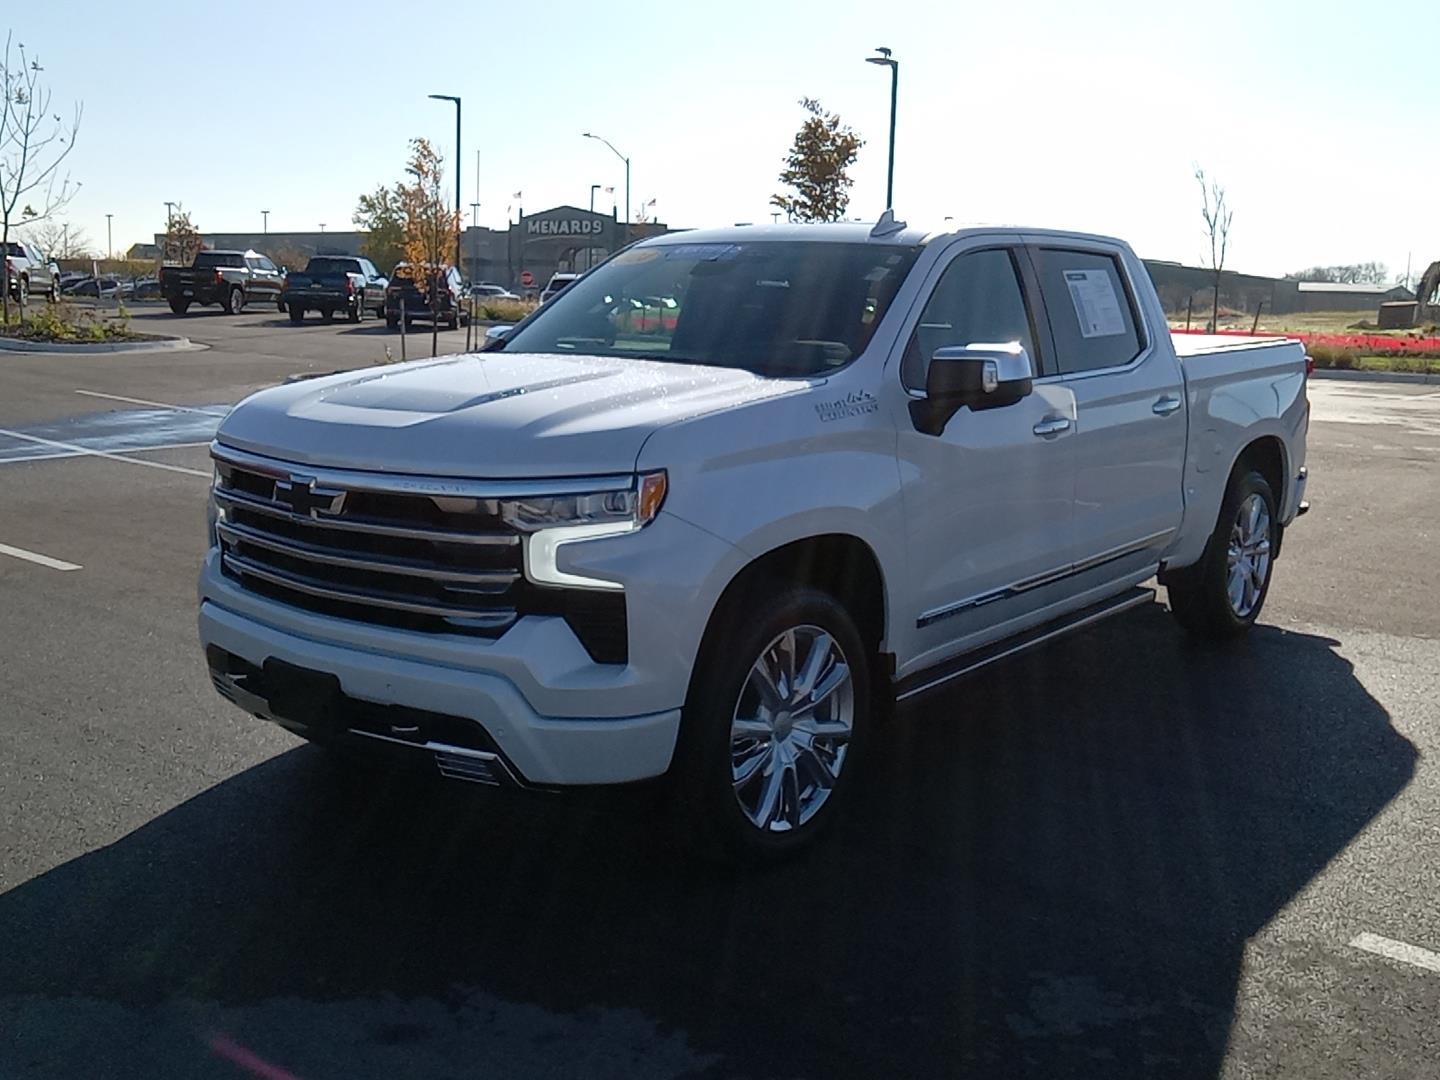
<point x="1221" y="596"/>
<point x="774" y="726"/>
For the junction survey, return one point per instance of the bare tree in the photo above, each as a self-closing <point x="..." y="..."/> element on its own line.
<point x="1217" y="215"/>
<point x="59" y="239"/>
<point x="34" y="143"/>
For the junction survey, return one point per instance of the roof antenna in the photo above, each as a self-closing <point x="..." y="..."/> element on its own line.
<point x="887" y="225"/>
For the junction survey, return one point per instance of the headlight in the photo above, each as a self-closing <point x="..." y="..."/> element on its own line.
<point x="213" y="513"/>
<point x="555" y="520"/>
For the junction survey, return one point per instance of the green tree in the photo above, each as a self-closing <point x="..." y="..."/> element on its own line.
<point x="182" y="241"/>
<point x="430" y="224"/>
<point x="381" y="214"/>
<point x="816" y="168"/>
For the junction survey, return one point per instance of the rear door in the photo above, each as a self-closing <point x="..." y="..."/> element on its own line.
<point x="1129" y="443"/>
<point x="989" y="501"/>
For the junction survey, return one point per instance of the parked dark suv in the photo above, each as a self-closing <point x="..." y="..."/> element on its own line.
<point x="405" y="293"/>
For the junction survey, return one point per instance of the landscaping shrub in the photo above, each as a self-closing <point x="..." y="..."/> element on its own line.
<point x="505" y="311"/>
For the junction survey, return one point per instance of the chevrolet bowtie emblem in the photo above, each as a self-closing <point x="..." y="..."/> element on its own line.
<point x="302" y="496"/>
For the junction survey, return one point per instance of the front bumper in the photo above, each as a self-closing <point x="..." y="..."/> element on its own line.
<point x="509" y="739"/>
<point x="553" y="713"/>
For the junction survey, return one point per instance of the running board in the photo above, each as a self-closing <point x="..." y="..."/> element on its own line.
<point x="967" y="663"/>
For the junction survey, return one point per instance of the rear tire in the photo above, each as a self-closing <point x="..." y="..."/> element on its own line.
<point x="297" y="314"/>
<point x="392" y="322"/>
<point x="179" y="307"/>
<point x="1221" y="596"/>
<point x="234" y="302"/>
<point x="775" y="724"/>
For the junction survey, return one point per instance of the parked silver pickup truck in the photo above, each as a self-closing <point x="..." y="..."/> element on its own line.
<point x="851" y="465"/>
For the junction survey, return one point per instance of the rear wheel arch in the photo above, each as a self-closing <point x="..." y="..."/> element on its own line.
<point x="1266" y="455"/>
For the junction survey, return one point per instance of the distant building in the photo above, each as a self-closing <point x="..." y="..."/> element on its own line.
<point x="564" y="238"/>
<point x="1181" y="287"/>
<point x="1339" y="296"/>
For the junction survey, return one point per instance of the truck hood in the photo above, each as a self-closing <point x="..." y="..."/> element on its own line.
<point x="488" y="415"/>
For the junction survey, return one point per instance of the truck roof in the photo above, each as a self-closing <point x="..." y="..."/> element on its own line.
<point x="855" y="232"/>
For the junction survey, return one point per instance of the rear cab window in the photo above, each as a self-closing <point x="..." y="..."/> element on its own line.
<point x="213" y="259"/>
<point x="1091" y="309"/>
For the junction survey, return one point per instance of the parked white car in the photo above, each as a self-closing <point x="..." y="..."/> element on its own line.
<point x="857" y="464"/>
<point x="29" y="272"/>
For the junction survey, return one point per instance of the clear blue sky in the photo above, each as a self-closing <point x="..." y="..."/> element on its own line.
<point x="1086" y="116"/>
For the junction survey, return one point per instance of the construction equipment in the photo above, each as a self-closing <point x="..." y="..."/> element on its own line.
<point x="1427" y="293"/>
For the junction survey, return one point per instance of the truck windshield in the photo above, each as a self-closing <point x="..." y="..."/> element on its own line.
<point x="777" y="308"/>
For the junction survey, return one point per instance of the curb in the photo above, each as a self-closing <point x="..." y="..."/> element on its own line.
<point x="16" y="345"/>
<point x="1376" y="376"/>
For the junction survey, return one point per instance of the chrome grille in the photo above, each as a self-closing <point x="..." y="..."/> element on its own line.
<point x="390" y="550"/>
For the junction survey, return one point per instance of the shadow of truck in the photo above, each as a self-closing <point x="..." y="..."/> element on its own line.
<point x="1053" y="873"/>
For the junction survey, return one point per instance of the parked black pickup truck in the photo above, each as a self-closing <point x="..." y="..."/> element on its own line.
<point x="231" y="279"/>
<point x="331" y="283"/>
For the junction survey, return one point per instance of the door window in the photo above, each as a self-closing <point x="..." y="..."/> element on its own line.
<point x="1091" y="312"/>
<point x="978" y="300"/>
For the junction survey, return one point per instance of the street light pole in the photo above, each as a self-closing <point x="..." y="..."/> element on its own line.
<point x="884" y="60"/>
<point x="475" y="245"/>
<point x="626" y="160"/>
<point x="265" y="225"/>
<point x="109" y="240"/>
<point x="456" y="100"/>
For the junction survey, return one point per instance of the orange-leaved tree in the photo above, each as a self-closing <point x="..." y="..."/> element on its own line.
<point x="430" y="226"/>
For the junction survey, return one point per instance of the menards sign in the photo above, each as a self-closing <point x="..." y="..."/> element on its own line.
<point x="564" y="226"/>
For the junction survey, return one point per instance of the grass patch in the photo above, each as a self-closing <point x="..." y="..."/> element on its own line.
<point x="65" y="324"/>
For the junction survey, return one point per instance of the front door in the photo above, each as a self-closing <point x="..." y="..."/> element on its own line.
<point x="988" y="502"/>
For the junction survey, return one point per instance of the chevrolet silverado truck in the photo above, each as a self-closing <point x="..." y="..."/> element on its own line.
<point x="231" y="279"/>
<point x="331" y="283"/>
<point x="858" y="464"/>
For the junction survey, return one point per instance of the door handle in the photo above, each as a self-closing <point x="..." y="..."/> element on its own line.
<point x="1165" y="405"/>
<point x="1051" y="425"/>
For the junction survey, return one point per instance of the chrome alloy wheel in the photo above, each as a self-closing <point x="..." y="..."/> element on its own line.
<point x="1248" y="557"/>
<point x="791" y="729"/>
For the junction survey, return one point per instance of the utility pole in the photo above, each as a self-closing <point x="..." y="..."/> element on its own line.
<point x="110" y="242"/>
<point x="626" y="160"/>
<point x="475" y="239"/>
<point x="456" y="100"/>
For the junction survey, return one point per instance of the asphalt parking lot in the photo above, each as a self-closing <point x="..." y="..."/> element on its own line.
<point x="1121" y="856"/>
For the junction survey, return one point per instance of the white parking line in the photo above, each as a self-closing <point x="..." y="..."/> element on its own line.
<point x="43" y="560"/>
<point x="1397" y="950"/>
<point x="103" y="454"/>
<point x="142" y="401"/>
<point x="60" y="455"/>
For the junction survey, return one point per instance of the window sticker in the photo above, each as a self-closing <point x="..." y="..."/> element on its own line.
<point x="1096" y="305"/>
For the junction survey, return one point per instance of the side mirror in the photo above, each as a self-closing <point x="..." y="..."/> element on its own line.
<point x="982" y="376"/>
<point x="495" y="337"/>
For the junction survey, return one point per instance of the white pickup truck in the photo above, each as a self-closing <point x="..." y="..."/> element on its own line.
<point x="845" y="465"/>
